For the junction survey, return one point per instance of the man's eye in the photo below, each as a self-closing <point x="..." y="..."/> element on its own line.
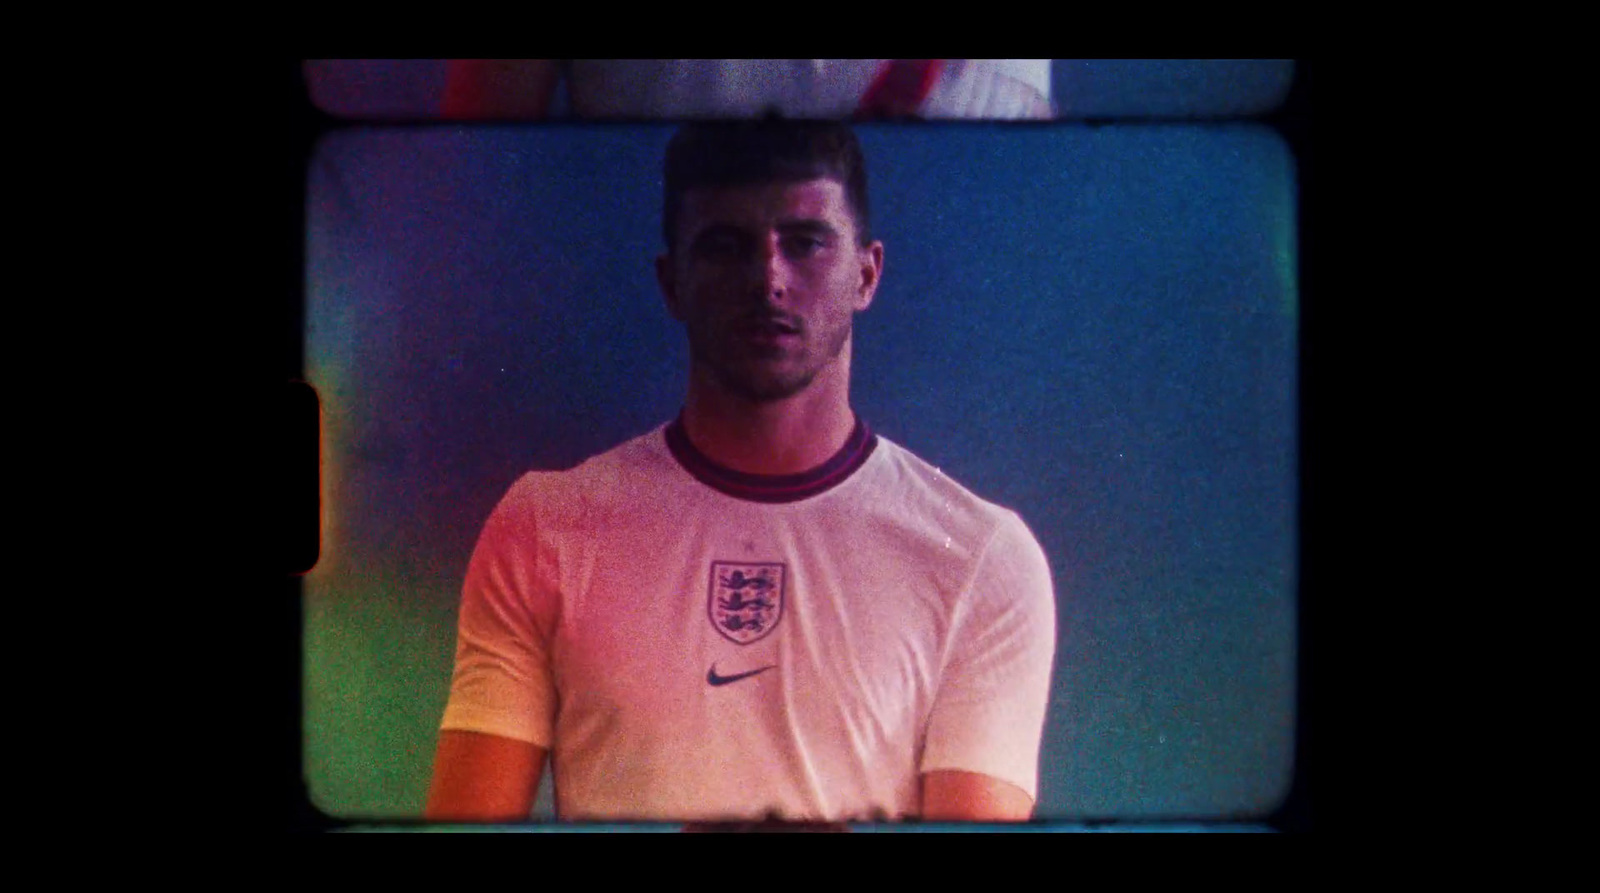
<point x="719" y="248"/>
<point x="804" y="246"/>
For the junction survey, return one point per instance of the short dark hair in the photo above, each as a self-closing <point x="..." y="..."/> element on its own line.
<point x="732" y="153"/>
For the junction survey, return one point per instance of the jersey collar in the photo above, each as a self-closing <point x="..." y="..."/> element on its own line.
<point x="769" y="487"/>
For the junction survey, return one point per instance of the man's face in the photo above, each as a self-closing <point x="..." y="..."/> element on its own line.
<point x="766" y="279"/>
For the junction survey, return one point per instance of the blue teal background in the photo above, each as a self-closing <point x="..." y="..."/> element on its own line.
<point x="1093" y="326"/>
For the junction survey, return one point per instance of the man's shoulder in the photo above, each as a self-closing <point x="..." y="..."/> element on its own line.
<point x="956" y="531"/>
<point x="627" y="470"/>
<point x="922" y="489"/>
<point x="918" y="474"/>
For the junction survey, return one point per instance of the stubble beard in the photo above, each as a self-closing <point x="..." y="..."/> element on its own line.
<point x="748" y="379"/>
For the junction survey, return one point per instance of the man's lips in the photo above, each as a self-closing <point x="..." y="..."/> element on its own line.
<point x="766" y="328"/>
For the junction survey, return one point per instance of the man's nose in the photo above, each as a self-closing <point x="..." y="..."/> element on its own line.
<point x="771" y="271"/>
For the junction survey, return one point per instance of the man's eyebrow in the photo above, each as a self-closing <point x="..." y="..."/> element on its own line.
<point x="807" y="225"/>
<point x="717" y="230"/>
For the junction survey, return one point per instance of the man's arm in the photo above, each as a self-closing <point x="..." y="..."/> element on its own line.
<point x="483" y="778"/>
<point x="949" y="795"/>
<point x="981" y="756"/>
<point x="499" y="88"/>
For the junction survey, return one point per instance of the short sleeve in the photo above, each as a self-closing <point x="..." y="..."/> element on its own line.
<point x="992" y="89"/>
<point x="502" y="684"/>
<point x="989" y="709"/>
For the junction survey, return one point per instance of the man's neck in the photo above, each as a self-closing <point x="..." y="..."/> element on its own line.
<point x="787" y="436"/>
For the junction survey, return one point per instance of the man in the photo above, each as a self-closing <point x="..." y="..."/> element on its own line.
<point x="987" y="89"/>
<point x="761" y="608"/>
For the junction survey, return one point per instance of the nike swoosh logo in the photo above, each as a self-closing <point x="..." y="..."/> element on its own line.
<point x="714" y="679"/>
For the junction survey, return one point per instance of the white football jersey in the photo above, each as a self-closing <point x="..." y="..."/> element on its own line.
<point x="694" y="643"/>
<point x="799" y="88"/>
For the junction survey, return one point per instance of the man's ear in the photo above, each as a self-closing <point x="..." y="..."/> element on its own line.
<point x="871" y="273"/>
<point x="669" y="285"/>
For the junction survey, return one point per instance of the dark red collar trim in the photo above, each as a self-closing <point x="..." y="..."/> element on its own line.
<point x="767" y="487"/>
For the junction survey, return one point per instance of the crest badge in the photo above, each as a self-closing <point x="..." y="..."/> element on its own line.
<point x="746" y="599"/>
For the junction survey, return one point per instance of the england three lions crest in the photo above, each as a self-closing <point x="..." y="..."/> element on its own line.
<point x="746" y="600"/>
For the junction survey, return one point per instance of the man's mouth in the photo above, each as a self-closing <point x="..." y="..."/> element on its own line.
<point x="767" y="331"/>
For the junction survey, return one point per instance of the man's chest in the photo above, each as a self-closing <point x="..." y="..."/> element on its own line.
<point x="782" y="625"/>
